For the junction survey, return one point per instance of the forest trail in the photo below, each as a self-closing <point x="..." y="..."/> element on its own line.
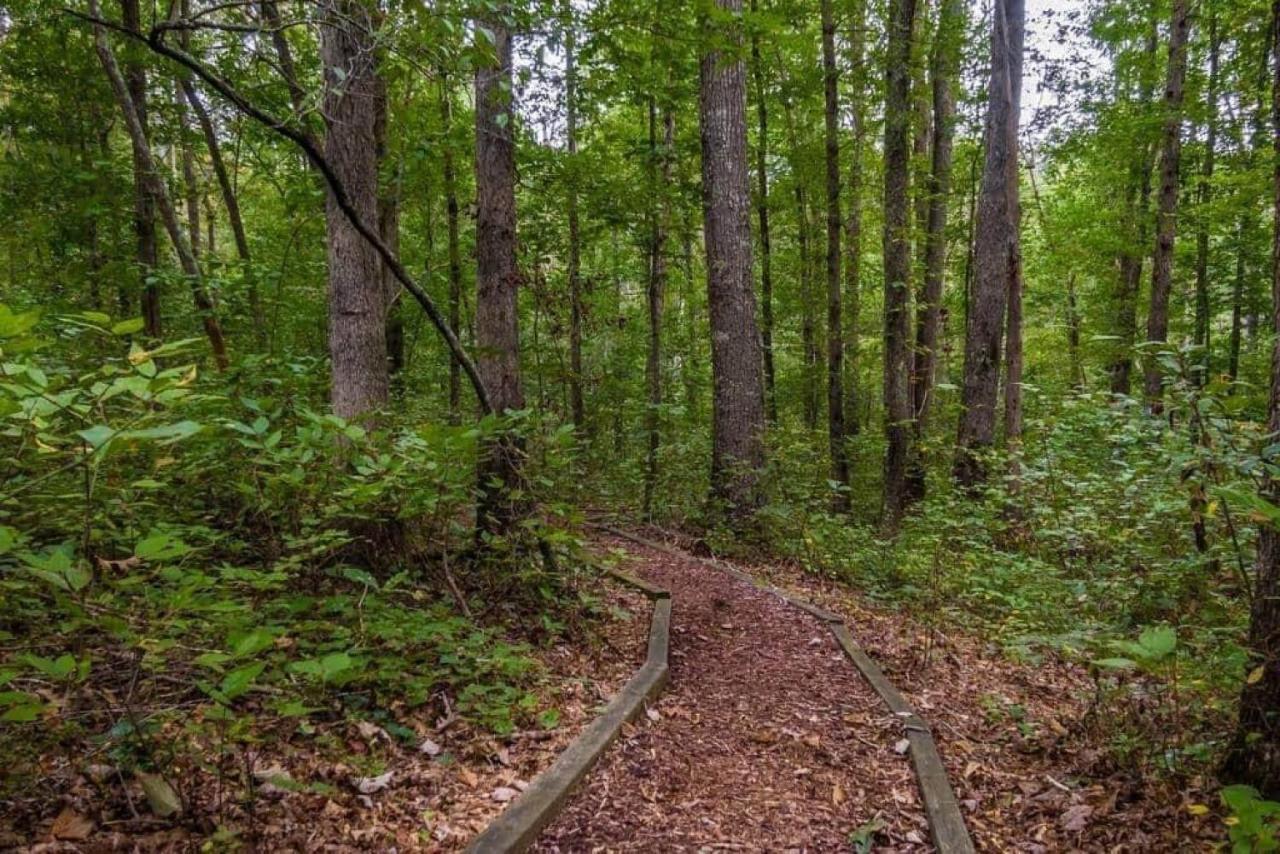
<point x="765" y="739"/>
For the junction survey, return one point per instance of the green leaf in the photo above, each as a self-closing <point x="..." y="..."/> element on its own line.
<point x="1116" y="663"/>
<point x="96" y="436"/>
<point x="238" y="681"/>
<point x="166" y="434"/>
<point x="1158" y="641"/>
<point x="132" y="326"/>
<point x="160" y="547"/>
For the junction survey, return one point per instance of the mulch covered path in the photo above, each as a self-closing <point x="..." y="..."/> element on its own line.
<point x="766" y="738"/>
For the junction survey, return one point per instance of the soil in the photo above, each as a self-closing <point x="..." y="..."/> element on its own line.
<point x="766" y="739"/>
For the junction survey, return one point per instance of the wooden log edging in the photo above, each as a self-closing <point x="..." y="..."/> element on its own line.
<point x="942" y="809"/>
<point x="516" y="828"/>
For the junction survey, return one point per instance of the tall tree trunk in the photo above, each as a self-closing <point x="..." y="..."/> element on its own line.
<point x="190" y="182"/>
<point x="657" y="296"/>
<point x="808" y="332"/>
<point x="357" y="300"/>
<point x="897" y="258"/>
<point x="232" y="204"/>
<point x="762" y="209"/>
<point x="577" y="406"/>
<point x="1205" y="195"/>
<point x="159" y="193"/>
<point x="853" y="221"/>
<point x="737" y="455"/>
<point x="835" y="335"/>
<point x="1255" y="754"/>
<point x="497" y="276"/>
<point x="942" y="61"/>
<point x="1130" y="261"/>
<point x="1167" y="210"/>
<point x="144" y="205"/>
<point x="389" y="231"/>
<point x="1237" y="300"/>
<point x="995" y="249"/>
<point x="1013" y="321"/>
<point x="454" y="248"/>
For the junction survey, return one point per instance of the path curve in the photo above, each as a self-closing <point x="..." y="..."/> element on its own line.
<point x="766" y="740"/>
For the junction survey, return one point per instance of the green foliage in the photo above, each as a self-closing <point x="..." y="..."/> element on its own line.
<point x="1254" y="823"/>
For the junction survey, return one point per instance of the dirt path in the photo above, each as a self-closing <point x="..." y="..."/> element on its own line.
<point x="765" y="740"/>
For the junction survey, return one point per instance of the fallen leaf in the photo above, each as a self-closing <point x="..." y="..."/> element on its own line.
<point x="1197" y="809"/>
<point x="502" y="794"/>
<point x="837" y="794"/>
<point x="371" y="732"/>
<point x="1076" y="818"/>
<point x="161" y="797"/>
<point x="469" y="777"/>
<point x="652" y="714"/>
<point x="71" y="825"/>
<point x="369" y="785"/>
<point x="430" y="748"/>
<point x="902" y="746"/>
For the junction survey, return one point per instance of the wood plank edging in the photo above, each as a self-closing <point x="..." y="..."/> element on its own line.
<point x="942" y="809"/>
<point x="518" y="826"/>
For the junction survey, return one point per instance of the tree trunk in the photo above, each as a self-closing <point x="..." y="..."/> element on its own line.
<point x="853" y="221"/>
<point x="808" y="332"/>
<point x="144" y="205"/>
<point x="835" y="335"/>
<point x="657" y="297"/>
<point x="577" y="405"/>
<point x="159" y="193"/>
<point x="389" y="231"/>
<point x="1167" y="210"/>
<point x="1137" y="204"/>
<point x="1255" y="755"/>
<point x="497" y="276"/>
<point x="232" y="204"/>
<point x="737" y="455"/>
<point x="1237" y="300"/>
<point x="897" y="258"/>
<point x="762" y="209"/>
<point x="995" y="249"/>
<point x="357" y="300"/>
<point x="942" y="62"/>
<point x="1205" y="195"/>
<point x="190" y="183"/>
<point x="454" y="249"/>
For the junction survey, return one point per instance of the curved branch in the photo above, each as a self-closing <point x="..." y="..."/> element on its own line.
<point x="155" y="40"/>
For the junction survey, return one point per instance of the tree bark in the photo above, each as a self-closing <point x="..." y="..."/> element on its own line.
<point x="942" y="62"/>
<point x="1167" y="208"/>
<point x="1205" y="195"/>
<point x="577" y="405"/>
<point x="897" y="258"/>
<point x="144" y="205"/>
<point x="1130" y="261"/>
<point x="762" y="210"/>
<point x="497" y="276"/>
<point x="1237" y="300"/>
<point x="835" y="334"/>
<point x="657" y="296"/>
<point x="808" y="332"/>
<point x="853" y="220"/>
<point x="232" y="204"/>
<point x="1255" y="754"/>
<point x="454" y="249"/>
<point x="737" y="455"/>
<point x="389" y="231"/>
<point x="995" y="249"/>
<point x="357" y="300"/>
<point x="159" y="193"/>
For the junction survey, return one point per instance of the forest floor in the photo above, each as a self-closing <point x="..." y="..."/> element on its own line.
<point x="766" y="739"/>
<point x="1026" y="745"/>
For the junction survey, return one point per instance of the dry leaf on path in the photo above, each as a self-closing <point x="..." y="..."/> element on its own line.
<point x="70" y="825"/>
